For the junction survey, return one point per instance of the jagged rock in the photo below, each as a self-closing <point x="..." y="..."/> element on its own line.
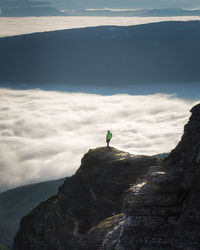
<point x="163" y="211"/>
<point x="185" y="157"/>
<point x="93" y="239"/>
<point x="164" y="181"/>
<point x="160" y="202"/>
<point x="93" y="194"/>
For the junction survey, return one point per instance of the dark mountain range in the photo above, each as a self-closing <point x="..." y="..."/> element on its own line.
<point x="18" y="4"/>
<point x="163" y="52"/>
<point x="120" y="201"/>
<point x="79" y="7"/>
<point x="31" y="11"/>
<point x="30" y="8"/>
<point x="17" y="202"/>
<point x="117" y="4"/>
<point x="164" y="12"/>
<point x="172" y="12"/>
<point x="23" y="8"/>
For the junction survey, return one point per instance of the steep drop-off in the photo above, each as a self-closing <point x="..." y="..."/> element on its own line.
<point x="117" y="201"/>
<point x="162" y="210"/>
<point x="87" y="198"/>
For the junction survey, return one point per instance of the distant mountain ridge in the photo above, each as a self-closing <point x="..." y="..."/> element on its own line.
<point x="155" y="12"/>
<point x="17" y="202"/>
<point x="172" y="12"/>
<point x="29" y="8"/>
<point x="23" y="8"/>
<point x="31" y="11"/>
<point x="113" y="4"/>
<point x="165" y="52"/>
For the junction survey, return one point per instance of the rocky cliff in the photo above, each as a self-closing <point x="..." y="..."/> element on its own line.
<point x="93" y="194"/>
<point x="161" y="211"/>
<point x="123" y="202"/>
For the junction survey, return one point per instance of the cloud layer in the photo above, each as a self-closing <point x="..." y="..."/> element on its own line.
<point x="11" y="26"/>
<point x="44" y="134"/>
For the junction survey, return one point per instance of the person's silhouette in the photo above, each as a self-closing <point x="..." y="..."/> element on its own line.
<point x="108" y="137"/>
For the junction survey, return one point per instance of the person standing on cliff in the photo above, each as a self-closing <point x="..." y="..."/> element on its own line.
<point x="108" y="137"/>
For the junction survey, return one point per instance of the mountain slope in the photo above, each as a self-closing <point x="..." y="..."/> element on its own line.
<point x="17" y="202"/>
<point x="162" y="212"/>
<point x="90" y="196"/>
<point x="165" y="52"/>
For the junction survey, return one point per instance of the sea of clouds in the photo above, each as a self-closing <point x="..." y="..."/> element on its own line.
<point x="11" y="26"/>
<point x="44" y="134"/>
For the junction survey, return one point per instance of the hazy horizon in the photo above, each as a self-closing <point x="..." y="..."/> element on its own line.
<point x="12" y="26"/>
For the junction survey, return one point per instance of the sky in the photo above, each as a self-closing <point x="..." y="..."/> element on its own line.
<point x="44" y="134"/>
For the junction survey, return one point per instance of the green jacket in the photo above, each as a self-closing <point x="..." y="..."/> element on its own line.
<point x="109" y="136"/>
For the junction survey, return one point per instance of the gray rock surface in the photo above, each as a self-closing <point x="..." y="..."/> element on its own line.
<point x="163" y="211"/>
<point x="93" y="194"/>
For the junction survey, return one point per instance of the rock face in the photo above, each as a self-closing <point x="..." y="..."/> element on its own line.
<point x="117" y="201"/>
<point x="92" y="195"/>
<point x="163" y="211"/>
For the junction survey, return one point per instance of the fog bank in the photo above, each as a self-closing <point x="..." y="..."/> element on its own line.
<point x="44" y="134"/>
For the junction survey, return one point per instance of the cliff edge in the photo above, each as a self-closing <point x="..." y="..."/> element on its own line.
<point x="162" y="212"/>
<point x="93" y="194"/>
<point x="119" y="201"/>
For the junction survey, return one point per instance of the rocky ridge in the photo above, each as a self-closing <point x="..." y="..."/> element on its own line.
<point x="162" y="211"/>
<point x="117" y="201"/>
<point x="93" y="194"/>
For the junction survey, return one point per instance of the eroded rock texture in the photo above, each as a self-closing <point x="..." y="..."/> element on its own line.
<point x="93" y="194"/>
<point x="163" y="210"/>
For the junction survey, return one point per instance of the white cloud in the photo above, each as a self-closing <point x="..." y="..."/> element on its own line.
<point x="11" y="26"/>
<point x="44" y="134"/>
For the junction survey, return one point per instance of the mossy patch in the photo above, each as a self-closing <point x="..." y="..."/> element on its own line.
<point x="107" y="224"/>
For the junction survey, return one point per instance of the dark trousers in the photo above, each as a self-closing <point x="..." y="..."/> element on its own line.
<point x="107" y="141"/>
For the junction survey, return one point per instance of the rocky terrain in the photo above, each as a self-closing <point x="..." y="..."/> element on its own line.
<point x="123" y="202"/>
<point x="93" y="194"/>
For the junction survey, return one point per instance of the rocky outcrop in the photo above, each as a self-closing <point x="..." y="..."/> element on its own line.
<point x="163" y="210"/>
<point x="93" y="194"/>
<point x="118" y="201"/>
